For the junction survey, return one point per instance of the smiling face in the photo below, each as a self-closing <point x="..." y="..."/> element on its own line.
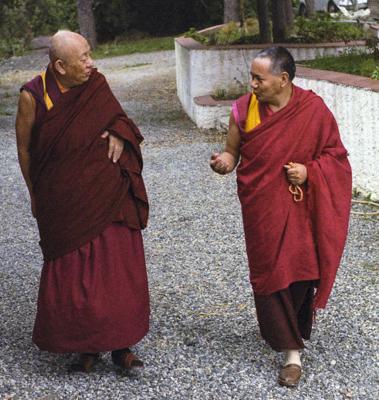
<point x="264" y="84"/>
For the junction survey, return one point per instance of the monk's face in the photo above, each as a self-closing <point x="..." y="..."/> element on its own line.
<point x="266" y="85"/>
<point x="78" y="63"/>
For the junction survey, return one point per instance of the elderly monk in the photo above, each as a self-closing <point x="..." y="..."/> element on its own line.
<point x="80" y="156"/>
<point x="294" y="185"/>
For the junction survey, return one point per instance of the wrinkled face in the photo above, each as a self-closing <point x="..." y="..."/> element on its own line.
<point x="78" y="64"/>
<point x="264" y="84"/>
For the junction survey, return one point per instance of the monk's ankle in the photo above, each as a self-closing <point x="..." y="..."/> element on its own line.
<point x="292" y="357"/>
<point x="118" y="353"/>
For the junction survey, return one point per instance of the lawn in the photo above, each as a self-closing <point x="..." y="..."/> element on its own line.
<point x="353" y="63"/>
<point x="126" y="46"/>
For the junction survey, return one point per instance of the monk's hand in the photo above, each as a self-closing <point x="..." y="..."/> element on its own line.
<point x="222" y="163"/>
<point x="116" y="146"/>
<point x="296" y="173"/>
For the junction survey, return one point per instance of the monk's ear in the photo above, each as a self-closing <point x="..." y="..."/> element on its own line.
<point x="59" y="67"/>
<point x="284" y="77"/>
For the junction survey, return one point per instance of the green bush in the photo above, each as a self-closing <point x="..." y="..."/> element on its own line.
<point x="375" y="73"/>
<point x="48" y="16"/>
<point x="231" y="33"/>
<point x="352" y="62"/>
<point x="319" y="29"/>
<point x="195" y="35"/>
<point x="15" y="29"/>
<point x="322" y="28"/>
<point x="21" y="20"/>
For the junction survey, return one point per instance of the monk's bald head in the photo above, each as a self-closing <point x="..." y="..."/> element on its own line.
<point x="70" y="56"/>
<point x="65" y="44"/>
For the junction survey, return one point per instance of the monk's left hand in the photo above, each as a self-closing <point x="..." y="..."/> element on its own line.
<point x="296" y="173"/>
<point x="116" y="146"/>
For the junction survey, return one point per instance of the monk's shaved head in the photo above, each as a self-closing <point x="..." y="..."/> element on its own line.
<point x="70" y="56"/>
<point x="64" y="44"/>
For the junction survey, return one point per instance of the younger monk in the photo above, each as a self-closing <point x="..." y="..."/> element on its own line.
<point x="294" y="185"/>
<point x="80" y="156"/>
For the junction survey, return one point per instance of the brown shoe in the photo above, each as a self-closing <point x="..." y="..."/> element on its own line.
<point x="290" y="375"/>
<point x="85" y="362"/>
<point x="127" y="360"/>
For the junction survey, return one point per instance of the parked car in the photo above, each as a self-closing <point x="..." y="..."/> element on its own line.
<point x="331" y="5"/>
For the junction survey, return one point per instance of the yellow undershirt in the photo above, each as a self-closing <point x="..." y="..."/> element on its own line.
<point x="48" y="102"/>
<point x="253" y="118"/>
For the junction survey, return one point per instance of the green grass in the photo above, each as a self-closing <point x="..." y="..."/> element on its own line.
<point x="127" y="66"/>
<point x="133" y="46"/>
<point x="356" y="64"/>
<point x="224" y="94"/>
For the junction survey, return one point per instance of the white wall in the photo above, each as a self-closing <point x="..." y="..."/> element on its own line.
<point x="201" y="71"/>
<point x="357" y="114"/>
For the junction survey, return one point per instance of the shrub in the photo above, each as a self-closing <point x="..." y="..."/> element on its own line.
<point x="355" y="62"/>
<point x="231" y="33"/>
<point x="322" y="28"/>
<point x="375" y="73"/>
<point x="319" y="29"/>
<point x="195" y="35"/>
<point x="15" y="29"/>
<point x="20" y="20"/>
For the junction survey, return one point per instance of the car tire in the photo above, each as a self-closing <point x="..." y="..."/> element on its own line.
<point x="332" y="8"/>
<point x="302" y="10"/>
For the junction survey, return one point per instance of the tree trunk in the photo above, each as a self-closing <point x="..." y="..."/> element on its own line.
<point x="279" y="23"/>
<point x="264" y="22"/>
<point x="86" y="20"/>
<point x="232" y="10"/>
<point x="310" y="8"/>
<point x="373" y="5"/>
<point x="289" y="14"/>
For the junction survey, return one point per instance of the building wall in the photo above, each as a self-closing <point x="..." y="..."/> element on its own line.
<point x="357" y="114"/>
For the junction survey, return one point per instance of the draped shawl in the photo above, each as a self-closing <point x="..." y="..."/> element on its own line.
<point x="78" y="190"/>
<point x="290" y="241"/>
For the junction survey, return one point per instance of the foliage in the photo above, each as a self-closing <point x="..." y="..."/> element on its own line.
<point x="375" y="73"/>
<point x="229" y="94"/>
<point x="195" y="35"/>
<point x="129" y="46"/>
<point x="319" y="29"/>
<point x="373" y="46"/>
<point x="351" y="62"/>
<point x="322" y="28"/>
<point x="47" y="16"/>
<point x="156" y="17"/>
<point x="14" y="28"/>
<point x="231" y="33"/>
<point x="21" y="20"/>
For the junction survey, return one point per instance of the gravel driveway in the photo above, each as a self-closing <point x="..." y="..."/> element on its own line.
<point x="204" y="341"/>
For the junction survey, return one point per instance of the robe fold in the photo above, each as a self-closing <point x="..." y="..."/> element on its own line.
<point x="290" y="241"/>
<point x="93" y="293"/>
<point x="78" y="191"/>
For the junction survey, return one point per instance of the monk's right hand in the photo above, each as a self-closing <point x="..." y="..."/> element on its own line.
<point x="219" y="163"/>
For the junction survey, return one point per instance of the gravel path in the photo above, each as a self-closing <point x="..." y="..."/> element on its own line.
<point x="204" y="341"/>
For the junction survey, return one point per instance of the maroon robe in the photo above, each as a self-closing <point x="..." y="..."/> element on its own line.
<point x="93" y="292"/>
<point x="291" y="241"/>
<point x="78" y="192"/>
